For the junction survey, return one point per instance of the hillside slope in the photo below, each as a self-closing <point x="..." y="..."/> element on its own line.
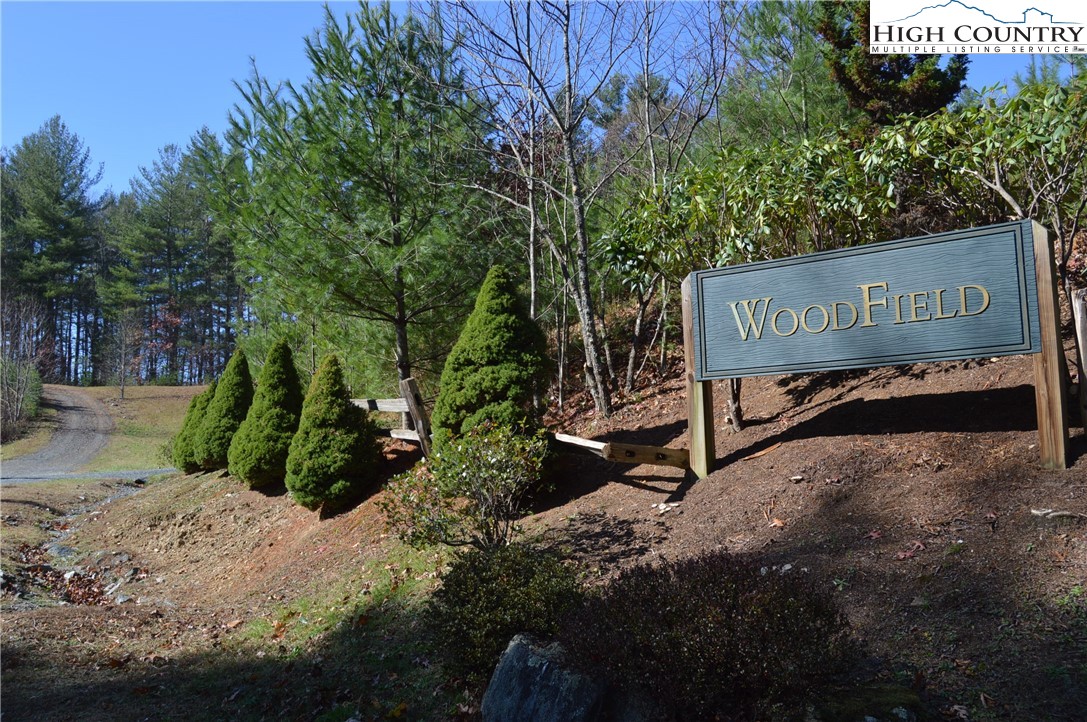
<point x="908" y="491"/>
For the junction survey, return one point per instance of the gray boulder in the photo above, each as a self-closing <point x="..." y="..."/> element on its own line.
<point x="531" y="684"/>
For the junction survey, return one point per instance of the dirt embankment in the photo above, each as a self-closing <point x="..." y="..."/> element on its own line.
<point x="909" y="493"/>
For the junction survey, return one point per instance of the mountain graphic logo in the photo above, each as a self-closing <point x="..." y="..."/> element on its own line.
<point x="1041" y="17"/>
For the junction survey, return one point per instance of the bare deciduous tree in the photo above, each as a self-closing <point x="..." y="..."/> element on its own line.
<point x="21" y="327"/>
<point x="539" y="68"/>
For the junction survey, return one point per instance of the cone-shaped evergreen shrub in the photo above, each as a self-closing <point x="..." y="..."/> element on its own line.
<point x="184" y="453"/>
<point x="496" y="365"/>
<point x="225" y="413"/>
<point x="333" y="456"/>
<point x="258" y="453"/>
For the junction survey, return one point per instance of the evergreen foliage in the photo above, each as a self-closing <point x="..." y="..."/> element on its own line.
<point x="711" y="637"/>
<point x="473" y="492"/>
<point x="184" y="451"/>
<point x="258" y="453"/>
<point x="352" y="203"/>
<point x="884" y="86"/>
<point x="225" y="414"/>
<point x="486" y="597"/>
<point x="333" y="455"/>
<point x="51" y="249"/>
<point x="497" y="364"/>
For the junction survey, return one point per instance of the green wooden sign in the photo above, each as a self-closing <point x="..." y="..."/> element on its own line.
<point x="954" y="295"/>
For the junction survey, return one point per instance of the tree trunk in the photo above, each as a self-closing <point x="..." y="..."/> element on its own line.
<point x="663" y="322"/>
<point x="735" y="410"/>
<point x="583" y="296"/>
<point x="643" y="301"/>
<point x="613" y="379"/>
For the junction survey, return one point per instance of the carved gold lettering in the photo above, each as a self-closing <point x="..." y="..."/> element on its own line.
<point x="752" y="314"/>
<point x="940" y="305"/>
<point x="751" y="307"/>
<point x="916" y="306"/>
<point x="774" y="321"/>
<point x="866" y="291"/>
<point x="837" y="320"/>
<point x="962" y="300"/>
<point x="804" y="319"/>
<point x="898" y="308"/>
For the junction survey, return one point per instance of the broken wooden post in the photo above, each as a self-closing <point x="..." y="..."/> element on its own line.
<point x="409" y="389"/>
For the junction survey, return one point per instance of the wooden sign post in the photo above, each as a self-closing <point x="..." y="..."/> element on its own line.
<point x="1050" y="392"/>
<point x="701" y="448"/>
<point x="975" y="293"/>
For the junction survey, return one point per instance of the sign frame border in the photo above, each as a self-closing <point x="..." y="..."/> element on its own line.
<point x="1050" y="368"/>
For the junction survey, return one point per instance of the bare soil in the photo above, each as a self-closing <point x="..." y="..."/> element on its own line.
<point x="914" y="494"/>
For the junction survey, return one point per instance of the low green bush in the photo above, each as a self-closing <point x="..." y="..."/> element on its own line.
<point x="710" y="635"/>
<point x="487" y="597"/>
<point x="472" y="492"/>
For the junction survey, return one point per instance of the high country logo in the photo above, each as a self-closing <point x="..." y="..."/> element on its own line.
<point x="954" y="26"/>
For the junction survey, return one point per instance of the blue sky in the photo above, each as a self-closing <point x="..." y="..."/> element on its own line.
<point x="131" y="77"/>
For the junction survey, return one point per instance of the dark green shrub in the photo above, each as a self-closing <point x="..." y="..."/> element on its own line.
<point x="258" y="453"/>
<point x="710" y="635"/>
<point x="470" y="493"/>
<point x="184" y="451"/>
<point x="496" y="366"/>
<point x="334" y="455"/>
<point x="225" y="413"/>
<point x="488" y="597"/>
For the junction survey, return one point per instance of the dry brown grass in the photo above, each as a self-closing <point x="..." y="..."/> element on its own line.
<point x="146" y="420"/>
<point x="37" y="436"/>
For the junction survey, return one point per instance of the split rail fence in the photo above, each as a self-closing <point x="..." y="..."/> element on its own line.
<point x="411" y="405"/>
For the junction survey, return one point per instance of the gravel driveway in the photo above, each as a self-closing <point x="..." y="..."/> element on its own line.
<point x="84" y="429"/>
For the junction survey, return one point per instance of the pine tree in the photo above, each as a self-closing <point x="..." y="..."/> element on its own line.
<point x="496" y="366"/>
<point x="51" y="244"/>
<point x="258" y="453"/>
<point x="225" y="414"/>
<point x="333" y="456"/>
<point x="184" y="452"/>
<point x="884" y="86"/>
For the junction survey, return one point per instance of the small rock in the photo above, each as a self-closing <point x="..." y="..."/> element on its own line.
<point x="59" y="550"/>
<point x="69" y="575"/>
<point x="904" y="714"/>
<point x="786" y="568"/>
<point x="122" y="598"/>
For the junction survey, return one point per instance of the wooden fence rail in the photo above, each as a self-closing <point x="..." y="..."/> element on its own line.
<point x="412" y="405"/>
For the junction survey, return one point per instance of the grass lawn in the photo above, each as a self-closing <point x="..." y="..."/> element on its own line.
<point x="38" y="435"/>
<point x="146" y="420"/>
